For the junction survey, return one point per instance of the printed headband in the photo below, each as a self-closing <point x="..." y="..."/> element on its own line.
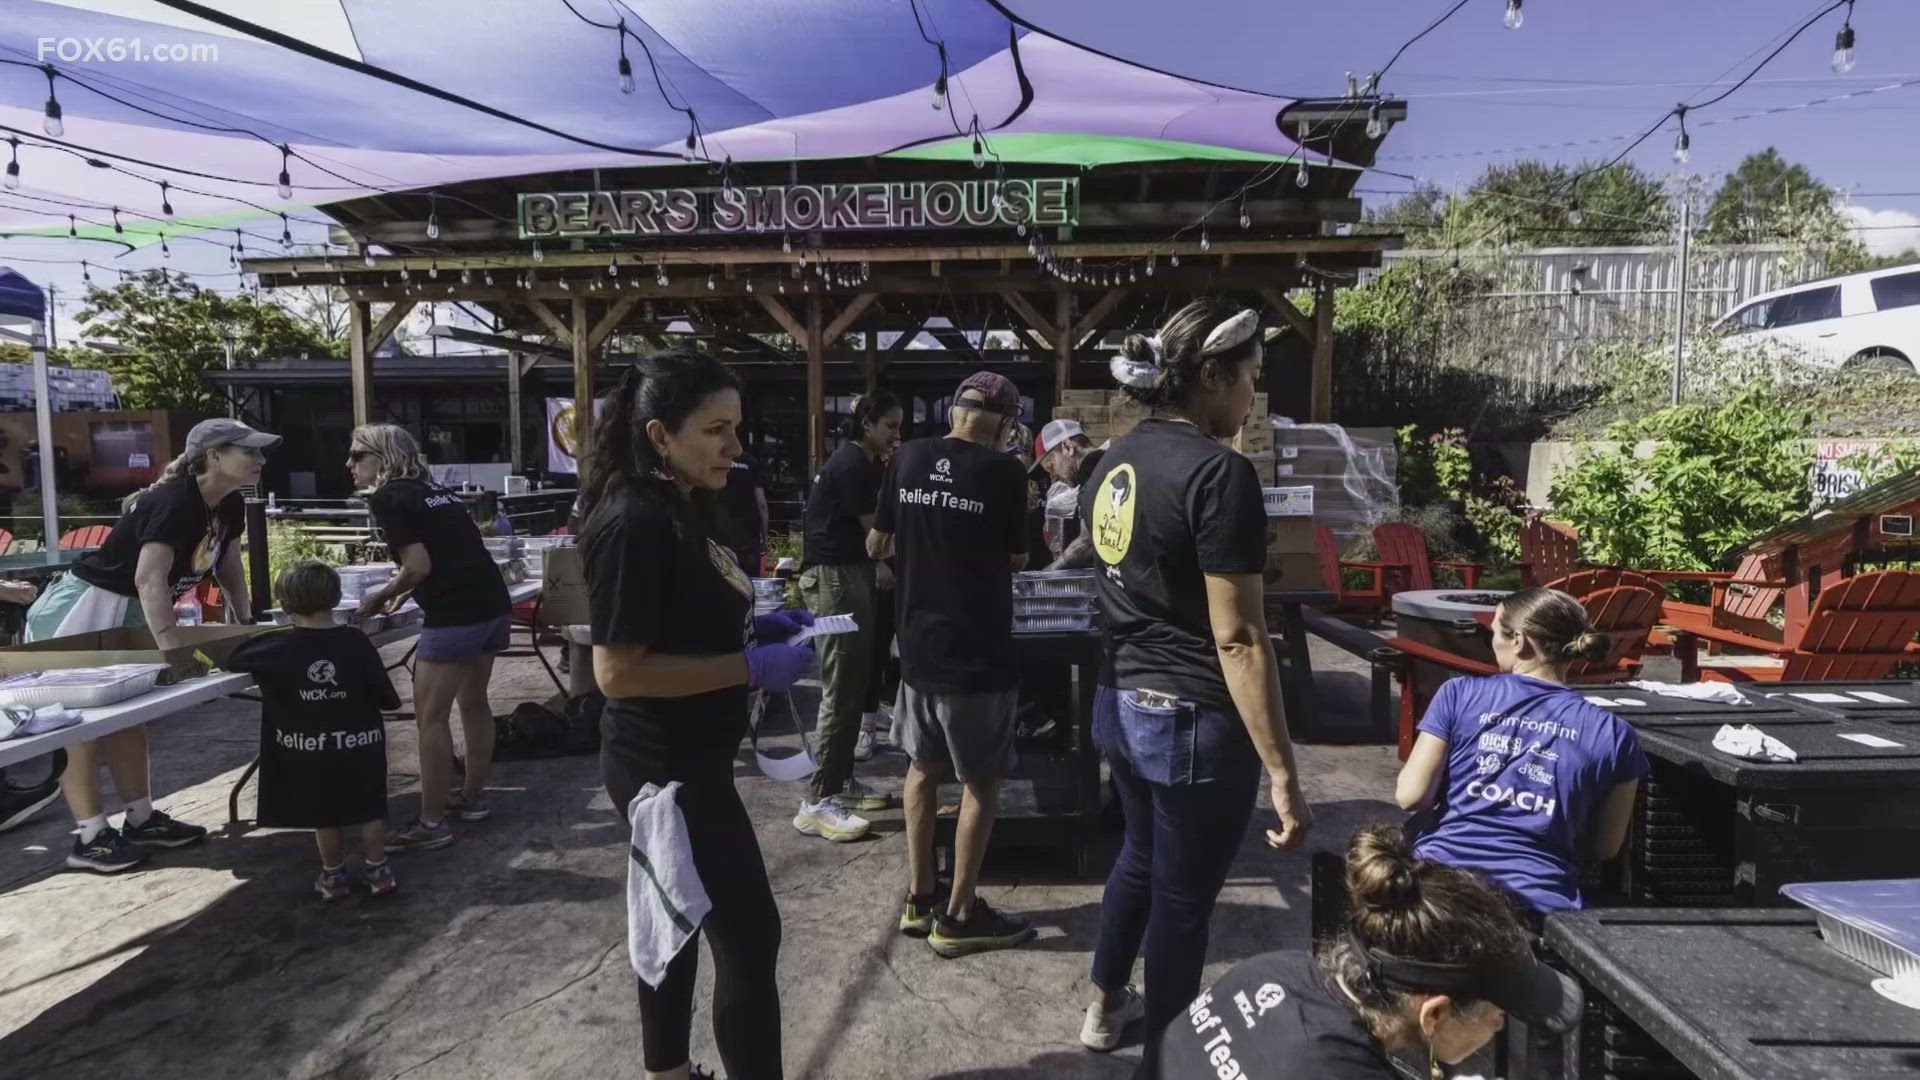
<point x="1146" y="374"/>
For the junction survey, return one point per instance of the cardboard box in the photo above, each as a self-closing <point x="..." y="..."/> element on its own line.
<point x="1082" y="398"/>
<point x="563" y="590"/>
<point x="1293" y="572"/>
<point x="1290" y="536"/>
<point x="1254" y="440"/>
<point x="207" y="648"/>
<point x="1289" y="502"/>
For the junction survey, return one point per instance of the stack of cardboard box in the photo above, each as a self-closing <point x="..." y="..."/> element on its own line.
<point x="1291" y="559"/>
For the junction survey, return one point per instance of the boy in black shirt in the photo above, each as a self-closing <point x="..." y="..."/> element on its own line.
<point x="323" y="746"/>
<point x="952" y="512"/>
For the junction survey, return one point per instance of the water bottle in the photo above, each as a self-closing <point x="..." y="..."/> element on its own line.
<point x="186" y="611"/>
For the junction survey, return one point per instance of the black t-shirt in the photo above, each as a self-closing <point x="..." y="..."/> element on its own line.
<point x="323" y="747"/>
<point x="171" y="513"/>
<point x="464" y="587"/>
<point x="745" y="527"/>
<point x="649" y="586"/>
<point x="1070" y="528"/>
<point x="1167" y="506"/>
<point x="843" y="490"/>
<point x="1275" y="1015"/>
<point x="957" y="511"/>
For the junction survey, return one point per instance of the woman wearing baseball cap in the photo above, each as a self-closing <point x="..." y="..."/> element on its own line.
<point x="169" y="538"/>
<point x="1431" y="962"/>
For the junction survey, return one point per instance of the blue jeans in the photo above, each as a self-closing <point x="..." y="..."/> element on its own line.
<point x="1182" y="833"/>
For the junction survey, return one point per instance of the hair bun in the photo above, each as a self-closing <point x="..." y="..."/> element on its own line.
<point x="1382" y="871"/>
<point x="1591" y="645"/>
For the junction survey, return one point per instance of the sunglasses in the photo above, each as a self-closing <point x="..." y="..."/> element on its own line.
<point x="357" y="454"/>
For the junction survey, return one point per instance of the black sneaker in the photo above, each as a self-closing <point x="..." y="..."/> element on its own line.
<point x="984" y="930"/>
<point x="108" y="853"/>
<point x="918" y="913"/>
<point x="160" y="830"/>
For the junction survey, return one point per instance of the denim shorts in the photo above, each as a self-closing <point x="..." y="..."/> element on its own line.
<point x="1171" y="740"/>
<point x="458" y="644"/>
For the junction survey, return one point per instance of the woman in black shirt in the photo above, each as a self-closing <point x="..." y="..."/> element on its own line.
<point x="676" y="649"/>
<point x="1189" y="717"/>
<point x="445" y="566"/>
<point x="169" y="539"/>
<point x="1431" y="961"/>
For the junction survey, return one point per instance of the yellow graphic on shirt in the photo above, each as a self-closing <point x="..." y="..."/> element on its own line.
<point x="205" y="554"/>
<point x="729" y="567"/>
<point x="1113" y="515"/>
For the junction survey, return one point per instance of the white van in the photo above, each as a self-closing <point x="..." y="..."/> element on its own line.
<point x="1861" y="319"/>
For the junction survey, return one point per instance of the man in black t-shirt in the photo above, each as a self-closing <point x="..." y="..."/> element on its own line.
<point x="952" y="514"/>
<point x="744" y="500"/>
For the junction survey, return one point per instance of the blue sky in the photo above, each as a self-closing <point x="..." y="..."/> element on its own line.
<point x="1576" y="70"/>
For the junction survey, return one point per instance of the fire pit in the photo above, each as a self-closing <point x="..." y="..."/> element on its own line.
<point x="1447" y="619"/>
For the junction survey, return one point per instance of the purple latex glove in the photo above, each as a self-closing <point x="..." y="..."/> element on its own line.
<point x="778" y="667"/>
<point x="781" y="625"/>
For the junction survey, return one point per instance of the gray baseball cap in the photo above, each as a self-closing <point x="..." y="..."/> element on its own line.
<point x="213" y="434"/>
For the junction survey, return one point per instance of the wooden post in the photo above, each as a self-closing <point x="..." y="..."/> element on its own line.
<point x="873" y="361"/>
<point x="816" y="386"/>
<point x="582" y="387"/>
<point x="1322" y="411"/>
<point x="514" y="423"/>
<point x="1062" y="341"/>
<point x="360" y="361"/>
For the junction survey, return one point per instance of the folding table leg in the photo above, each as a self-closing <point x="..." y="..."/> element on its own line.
<point x="233" y="797"/>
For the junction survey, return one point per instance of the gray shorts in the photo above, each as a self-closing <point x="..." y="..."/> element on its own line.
<point x="458" y="644"/>
<point x="971" y="732"/>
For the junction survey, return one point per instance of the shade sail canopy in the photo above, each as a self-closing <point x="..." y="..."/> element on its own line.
<point x="754" y="80"/>
<point x="20" y="298"/>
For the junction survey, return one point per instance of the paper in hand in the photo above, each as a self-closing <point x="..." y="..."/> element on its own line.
<point x="824" y="626"/>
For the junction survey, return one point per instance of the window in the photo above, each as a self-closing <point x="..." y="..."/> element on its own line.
<point x="1750" y="318"/>
<point x="1808" y="306"/>
<point x="1896" y="290"/>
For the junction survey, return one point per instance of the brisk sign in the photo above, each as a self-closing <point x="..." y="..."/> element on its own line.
<point x="919" y="204"/>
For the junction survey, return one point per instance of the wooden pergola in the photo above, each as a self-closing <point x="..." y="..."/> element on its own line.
<point x="1143" y="238"/>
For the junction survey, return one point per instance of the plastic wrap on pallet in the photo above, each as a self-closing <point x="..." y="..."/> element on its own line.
<point x="1353" y="478"/>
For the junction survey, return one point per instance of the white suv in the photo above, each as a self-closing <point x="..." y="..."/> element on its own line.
<point x="1861" y="319"/>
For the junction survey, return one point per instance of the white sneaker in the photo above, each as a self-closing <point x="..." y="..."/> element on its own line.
<point x="858" y="796"/>
<point x="828" y="819"/>
<point x="863" y="746"/>
<point x="1103" y="1027"/>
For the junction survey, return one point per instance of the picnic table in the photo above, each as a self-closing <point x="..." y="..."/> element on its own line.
<point x="1712" y="828"/>
<point x="1727" y="995"/>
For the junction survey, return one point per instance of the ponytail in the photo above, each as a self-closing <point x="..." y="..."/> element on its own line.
<point x="184" y="465"/>
<point x="667" y="387"/>
<point x="1556" y="623"/>
<point x="867" y="411"/>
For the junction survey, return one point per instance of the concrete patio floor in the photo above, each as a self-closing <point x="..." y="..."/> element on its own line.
<point x="503" y="955"/>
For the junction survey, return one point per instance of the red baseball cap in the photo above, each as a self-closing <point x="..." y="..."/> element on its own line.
<point x="990" y="391"/>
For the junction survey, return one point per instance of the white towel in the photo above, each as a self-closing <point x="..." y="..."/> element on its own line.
<point x="1725" y="693"/>
<point x="22" y="721"/>
<point x="665" y="900"/>
<point x="1747" y="741"/>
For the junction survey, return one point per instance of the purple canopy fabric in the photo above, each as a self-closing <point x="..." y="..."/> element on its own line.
<point x="20" y="298"/>
<point x="765" y="79"/>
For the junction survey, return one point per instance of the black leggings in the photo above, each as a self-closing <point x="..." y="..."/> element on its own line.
<point x="743" y="929"/>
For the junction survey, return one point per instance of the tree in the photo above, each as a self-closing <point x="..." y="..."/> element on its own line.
<point x="1530" y="204"/>
<point x="173" y="330"/>
<point x="1759" y="196"/>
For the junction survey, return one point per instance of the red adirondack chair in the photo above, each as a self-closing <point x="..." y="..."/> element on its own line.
<point x="1581" y="583"/>
<point x="1370" y="599"/>
<point x="1626" y="614"/>
<point x="1548" y="550"/>
<point x="1404" y="548"/>
<point x="6" y="541"/>
<point x="90" y="536"/>
<point x="1858" y="629"/>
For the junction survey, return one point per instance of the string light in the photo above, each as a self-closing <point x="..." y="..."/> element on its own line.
<point x="71" y="231"/>
<point x="285" y="181"/>
<point x="940" y="84"/>
<point x="1682" y="143"/>
<point x="1376" y="123"/>
<point x="466" y="277"/>
<point x="693" y="131"/>
<point x="165" y="253"/>
<point x="1245" y="218"/>
<point x="366" y="255"/>
<point x="1843" y="44"/>
<point x="433" y="268"/>
<point x="979" y="152"/>
<point x="1206" y="242"/>
<point x="1514" y="15"/>
<point x="626" y="66"/>
<point x="84" y="275"/>
<point x="166" y="207"/>
<point x="433" y="219"/>
<point x="13" y="164"/>
<point x="286" y="232"/>
<point x="52" y="124"/>
<point x="117" y="229"/>
<point x="709" y="281"/>
<point x="613" y="267"/>
<point x="1300" y="177"/>
<point x="538" y="255"/>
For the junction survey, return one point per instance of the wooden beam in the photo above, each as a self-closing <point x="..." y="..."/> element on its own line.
<point x="854" y="309"/>
<point x="582" y="388"/>
<point x="906" y="338"/>
<point x="784" y="317"/>
<point x="609" y="322"/>
<point x="389" y="322"/>
<point x="872" y="361"/>
<point x="560" y="330"/>
<point x="1034" y="345"/>
<point x="1028" y="312"/>
<point x="816" y="382"/>
<point x="1322" y="411"/>
<point x="360" y="362"/>
<point x="1090" y="322"/>
<point x="1296" y="318"/>
<point x="1062" y="340"/>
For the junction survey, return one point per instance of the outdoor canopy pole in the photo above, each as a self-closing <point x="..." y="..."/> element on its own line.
<point x="43" y="421"/>
<point x="1680" y="295"/>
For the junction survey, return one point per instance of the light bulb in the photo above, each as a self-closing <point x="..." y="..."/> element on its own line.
<point x="433" y="269"/>
<point x="626" y="75"/>
<point x="709" y="282"/>
<point x="165" y="252"/>
<point x="433" y="226"/>
<point x="613" y="267"/>
<point x="786" y="243"/>
<point x="166" y="207"/>
<point x="538" y="255"/>
<point x="1245" y="218"/>
<point x="13" y="176"/>
<point x="979" y="154"/>
<point x="285" y="187"/>
<point x="940" y="93"/>
<point x="1206" y="242"/>
<point x="368" y="254"/>
<point x="1574" y="216"/>
<point x="749" y="284"/>
<point x="1843" y="49"/>
<point x="1300" y="178"/>
<point x="1514" y="15"/>
<point x="1174" y="259"/>
<point x="52" y="124"/>
<point x="466" y="277"/>
<point x="1376" y="125"/>
<point x="1682" y="147"/>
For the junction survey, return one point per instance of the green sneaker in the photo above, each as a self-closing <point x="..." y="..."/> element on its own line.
<point x="984" y="930"/>
<point x="918" y="914"/>
<point x="859" y="797"/>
